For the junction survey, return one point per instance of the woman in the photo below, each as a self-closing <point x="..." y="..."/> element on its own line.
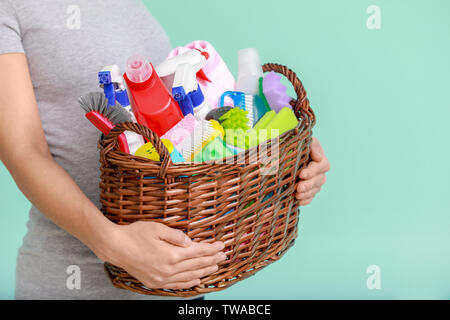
<point x="50" y="52"/>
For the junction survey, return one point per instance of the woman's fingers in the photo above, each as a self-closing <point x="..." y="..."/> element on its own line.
<point x="315" y="168"/>
<point x="317" y="153"/>
<point x="173" y="236"/>
<point x="315" y="182"/>
<point x="313" y="176"/>
<point x="197" y="268"/>
<point x="199" y="263"/>
<point x="182" y="285"/>
<point x="196" y="250"/>
<point x="193" y="275"/>
<point x="305" y="202"/>
<point x="308" y="194"/>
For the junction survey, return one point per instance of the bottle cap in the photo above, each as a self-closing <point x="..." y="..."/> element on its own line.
<point x="138" y="69"/>
<point x="197" y="97"/>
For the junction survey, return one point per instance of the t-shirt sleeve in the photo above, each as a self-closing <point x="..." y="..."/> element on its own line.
<point x="10" y="34"/>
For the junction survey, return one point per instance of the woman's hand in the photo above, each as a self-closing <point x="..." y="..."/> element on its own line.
<point x="161" y="257"/>
<point x="313" y="176"/>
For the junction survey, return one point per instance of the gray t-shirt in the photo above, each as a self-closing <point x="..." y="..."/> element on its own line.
<point x="67" y="42"/>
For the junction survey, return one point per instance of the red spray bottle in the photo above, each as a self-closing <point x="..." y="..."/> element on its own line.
<point x="152" y="103"/>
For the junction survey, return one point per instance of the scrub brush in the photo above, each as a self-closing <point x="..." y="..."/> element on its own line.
<point x="204" y="132"/>
<point x="241" y="100"/>
<point x="105" y="118"/>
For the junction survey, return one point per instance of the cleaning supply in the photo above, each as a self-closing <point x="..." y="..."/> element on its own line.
<point x="265" y="120"/>
<point x="149" y="151"/>
<point x="214" y="69"/>
<point x="185" y="88"/>
<point x="241" y="100"/>
<point x="175" y="155"/>
<point x="236" y="118"/>
<point x="238" y="135"/>
<point x="275" y="92"/>
<point x="214" y="150"/>
<point x="191" y="134"/>
<point x="238" y="98"/>
<point x="152" y="104"/>
<point x="105" y="118"/>
<point x="232" y="148"/>
<point x="260" y="108"/>
<point x="241" y="139"/>
<point x="201" y="106"/>
<point x="215" y="114"/>
<point x="194" y="57"/>
<point x="250" y="70"/>
<point x="113" y="84"/>
<point x="106" y="83"/>
<point x="261" y="93"/>
<point x="203" y="132"/>
<point x="187" y="92"/>
<point x="182" y="131"/>
<point x="275" y="124"/>
<point x="284" y="121"/>
<point x="270" y="126"/>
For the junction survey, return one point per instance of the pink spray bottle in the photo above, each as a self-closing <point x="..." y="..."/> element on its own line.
<point x="152" y="103"/>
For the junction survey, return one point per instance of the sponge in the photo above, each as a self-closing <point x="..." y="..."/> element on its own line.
<point x="214" y="150"/>
<point x="182" y="131"/>
<point x="242" y="139"/>
<point x="149" y="151"/>
<point x="265" y="120"/>
<point x="275" y="92"/>
<point x="215" y="114"/>
<point x="284" y="121"/>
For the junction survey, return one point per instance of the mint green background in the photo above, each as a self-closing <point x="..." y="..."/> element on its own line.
<point x="382" y="102"/>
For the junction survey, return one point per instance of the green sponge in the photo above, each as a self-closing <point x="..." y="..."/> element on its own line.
<point x="214" y="150"/>
<point x="242" y="139"/>
<point x="265" y="120"/>
<point x="284" y="121"/>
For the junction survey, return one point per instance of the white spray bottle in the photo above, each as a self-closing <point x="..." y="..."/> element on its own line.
<point x="187" y="92"/>
<point x="196" y="58"/>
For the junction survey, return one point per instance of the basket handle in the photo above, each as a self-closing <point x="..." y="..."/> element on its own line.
<point x="301" y="104"/>
<point x="110" y="142"/>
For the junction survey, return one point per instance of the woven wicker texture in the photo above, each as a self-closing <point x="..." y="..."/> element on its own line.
<point x="235" y="201"/>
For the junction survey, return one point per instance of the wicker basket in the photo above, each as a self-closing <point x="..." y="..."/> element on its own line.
<point x="255" y="214"/>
